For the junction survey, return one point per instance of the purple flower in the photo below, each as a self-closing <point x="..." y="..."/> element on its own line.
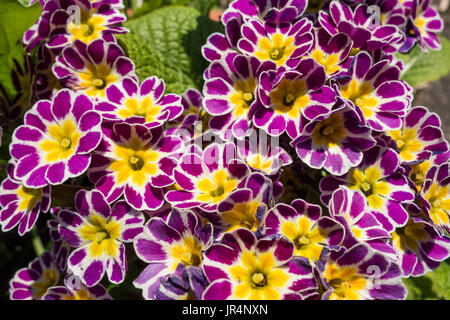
<point x="284" y="45"/>
<point x="376" y="92"/>
<point x="98" y="232"/>
<point x="422" y="26"/>
<point x="419" y="247"/>
<point x="91" y="68"/>
<point x="419" y="137"/>
<point x="135" y="161"/>
<point x="56" y="140"/>
<point x="335" y="143"/>
<point x="350" y="209"/>
<point x="31" y="283"/>
<point x="144" y="104"/>
<point x="272" y="11"/>
<point x="359" y="24"/>
<point x="187" y="283"/>
<point x="331" y="51"/>
<point x="62" y="22"/>
<point x="165" y="245"/>
<point x="204" y="180"/>
<point x="231" y="93"/>
<point x="435" y="196"/>
<point x="242" y="267"/>
<point x="289" y="94"/>
<point x="21" y="205"/>
<point x="383" y="186"/>
<point x="360" y="273"/>
<point x="262" y="157"/>
<point x="246" y="207"/>
<point x="76" y="291"/>
<point x="305" y="226"/>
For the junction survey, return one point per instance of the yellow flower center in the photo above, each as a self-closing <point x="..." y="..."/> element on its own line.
<point x="346" y="282"/>
<point x="361" y="95"/>
<point x="257" y="277"/>
<point x="81" y="294"/>
<point x="102" y="234"/>
<point x="409" y="236"/>
<point x="63" y="141"/>
<point x="188" y="252"/>
<point x="144" y="108"/>
<point x="259" y="163"/>
<point x="134" y="162"/>
<point x="439" y="199"/>
<point x="278" y="49"/>
<point x="329" y="62"/>
<point x="367" y="181"/>
<point x="407" y="143"/>
<point x="290" y="97"/>
<point x="243" y="96"/>
<point x="49" y="279"/>
<point x="96" y="78"/>
<point x="329" y="132"/>
<point x="89" y="28"/>
<point x="28" y="197"/>
<point x="242" y="215"/>
<point x="217" y="189"/>
<point x="306" y="237"/>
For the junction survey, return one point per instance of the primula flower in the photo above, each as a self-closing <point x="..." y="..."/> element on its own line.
<point x="63" y="22"/>
<point x="246" y="207"/>
<point x="283" y="45"/>
<point x="144" y="103"/>
<point x="56" y="140"/>
<point x="376" y="92"/>
<point x="350" y="209"/>
<point x="419" y="137"/>
<point x="32" y="283"/>
<point x="418" y="172"/>
<point x="192" y="102"/>
<point x="435" y="196"/>
<point x="187" y="283"/>
<point x="165" y="245"/>
<point x="21" y="205"/>
<point x="242" y="267"/>
<point x="262" y="157"/>
<point x="272" y="11"/>
<point x="331" y="51"/>
<point x="231" y="93"/>
<point x="135" y="161"/>
<point x="97" y="292"/>
<point x="98" y="232"/>
<point x="91" y="68"/>
<point x="289" y="94"/>
<point x="383" y="186"/>
<point x="206" y="179"/>
<point x="335" y="143"/>
<point x="419" y="247"/>
<point x="360" y="273"/>
<point x="94" y="22"/>
<point x="422" y="26"/>
<point x="305" y="226"/>
<point x="359" y="24"/>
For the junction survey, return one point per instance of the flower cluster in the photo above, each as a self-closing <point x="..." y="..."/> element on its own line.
<point x="313" y="177"/>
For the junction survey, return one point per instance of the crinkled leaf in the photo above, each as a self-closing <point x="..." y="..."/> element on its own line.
<point x="167" y="43"/>
<point x="421" y="67"/>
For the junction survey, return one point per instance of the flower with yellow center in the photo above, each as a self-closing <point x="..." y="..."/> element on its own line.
<point x="259" y="278"/>
<point x="244" y="96"/>
<point x="360" y="93"/>
<point x="62" y="142"/>
<point x="345" y="281"/>
<point x="102" y="234"/>
<point x="144" y="108"/>
<point x="438" y="198"/>
<point x="96" y="78"/>
<point x="89" y="29"/>
<point x="407" y="142"/>
<point x="48" y="279"/>
<point x="409" y="236"/>
<point x="242" y="215"/>
<point x="370" y="183"/>
<point x="330" y="62"/>
<point x="279" y="48"/>
<point x="329" y="132"/>
<point x="290" y="97"/>
<point x="216" y="189"/>
<point x="188" y="251"/>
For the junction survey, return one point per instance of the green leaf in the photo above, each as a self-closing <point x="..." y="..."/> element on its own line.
<point x="167" y="43"/>
<point x="421" y="67"/>
<point x="15" y="19"/>
<point x="432" y="286"/>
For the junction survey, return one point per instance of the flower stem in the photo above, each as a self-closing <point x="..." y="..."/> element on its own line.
<point x="36" y="241"/>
